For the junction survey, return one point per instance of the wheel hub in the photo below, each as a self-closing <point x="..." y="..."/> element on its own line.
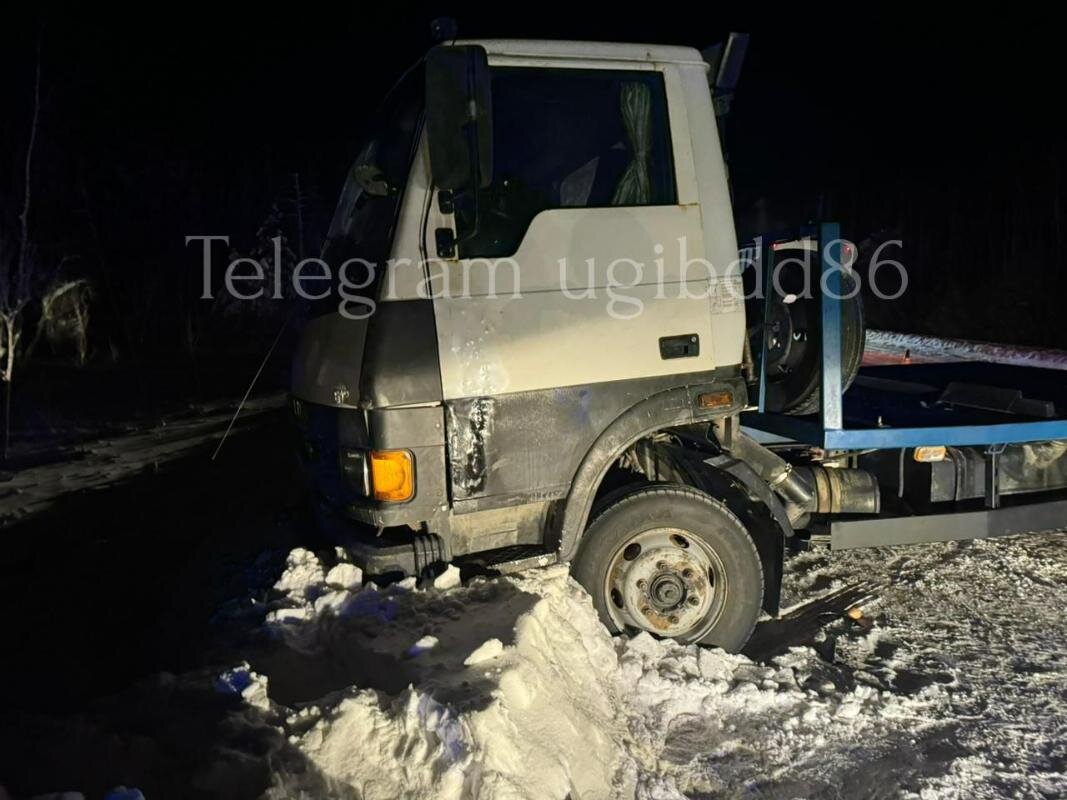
<point x="666" y="591"/>
<point x="664" y="581"/>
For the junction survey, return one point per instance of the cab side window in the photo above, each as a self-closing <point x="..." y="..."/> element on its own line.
<point x="566" y="138"/>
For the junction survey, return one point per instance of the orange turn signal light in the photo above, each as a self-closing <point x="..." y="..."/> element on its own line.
<point x="392" y="475"/>
<point x="715" y="399"/>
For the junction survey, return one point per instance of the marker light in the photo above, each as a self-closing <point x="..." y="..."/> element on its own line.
<point x="926" y="455"/>
<point x="715" y="399"/>
<point x="392" y="475"/>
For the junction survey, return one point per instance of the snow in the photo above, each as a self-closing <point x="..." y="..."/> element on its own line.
<point x="982" y="623"/>
<point x="532" y="718"/>
<point x="303" y="576"/>
<point x="245" y="683"/>
<point x="929" y="672"/>
<point x="510" y="688"/>
<point x="486" y="651"/>
<point x="345" y="576"/>
<point x="422" y="645"/>
<point x="449" y="579"/>
<point x="889" y="347"/>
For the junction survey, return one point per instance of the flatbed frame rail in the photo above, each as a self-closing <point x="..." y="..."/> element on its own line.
<point x="1036" y="511"/>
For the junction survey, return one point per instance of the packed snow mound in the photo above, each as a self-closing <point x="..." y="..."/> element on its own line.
<point x="507" y="691"/>
<point x="510" y="688"/>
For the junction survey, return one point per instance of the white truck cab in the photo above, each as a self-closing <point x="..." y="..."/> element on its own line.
<point x="536" y="351"/>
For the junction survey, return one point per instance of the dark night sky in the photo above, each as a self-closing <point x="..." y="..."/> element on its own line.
<point x="173" y="120"/>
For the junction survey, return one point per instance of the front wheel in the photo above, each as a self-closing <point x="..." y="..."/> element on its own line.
<point x="675" y="562"/>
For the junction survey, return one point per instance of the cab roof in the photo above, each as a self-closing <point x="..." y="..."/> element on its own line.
<point x="591" y="51"/>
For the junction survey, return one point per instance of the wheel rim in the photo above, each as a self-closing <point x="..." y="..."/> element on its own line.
<point x="668" y="582"/>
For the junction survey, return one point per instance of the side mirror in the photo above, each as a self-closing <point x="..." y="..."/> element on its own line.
<point x="724" y="69"/>
<point x="459" y="117"/>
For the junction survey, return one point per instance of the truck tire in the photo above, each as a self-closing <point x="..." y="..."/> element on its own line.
<point x="671" y="560"/>
<point x="794" y="366"/>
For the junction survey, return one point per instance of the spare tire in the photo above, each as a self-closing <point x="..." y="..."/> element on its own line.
<point x="794" y="342"/>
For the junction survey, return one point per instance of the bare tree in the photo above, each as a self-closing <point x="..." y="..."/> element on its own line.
<point x="17" y="267"/>
<point x="65" y="316"/>
<point x="23" y="281"/>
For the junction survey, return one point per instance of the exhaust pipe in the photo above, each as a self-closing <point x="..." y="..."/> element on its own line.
<point x="805" y="490"/>
<point x="843" y="491"/>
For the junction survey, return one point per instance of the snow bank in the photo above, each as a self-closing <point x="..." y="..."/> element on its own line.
<point x="102" y="463"/>
<point x="510" y="688"/>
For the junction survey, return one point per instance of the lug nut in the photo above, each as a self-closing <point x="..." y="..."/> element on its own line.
<point x="661" y="565"/>
<point x="687" y="573"/>
<point x="673" y="619"/>
<point x="693" y="600"/>
<point x="645" y="610"/>
<point x="641" y="584"/>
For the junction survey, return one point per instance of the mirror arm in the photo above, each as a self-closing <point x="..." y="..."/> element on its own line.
<point x="475" y="160"/>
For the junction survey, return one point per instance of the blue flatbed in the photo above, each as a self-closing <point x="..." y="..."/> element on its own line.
<point x="911" y="405"/>
<point x="985" y="408"/>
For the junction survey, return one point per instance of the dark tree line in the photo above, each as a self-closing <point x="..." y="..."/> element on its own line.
<point x="984" y="251"/>
<point x="249" y="137"/>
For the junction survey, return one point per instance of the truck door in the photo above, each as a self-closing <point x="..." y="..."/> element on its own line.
<point x="568" y="288"/>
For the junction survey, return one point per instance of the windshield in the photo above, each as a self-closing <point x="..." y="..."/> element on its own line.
<point x="365" y="218"/>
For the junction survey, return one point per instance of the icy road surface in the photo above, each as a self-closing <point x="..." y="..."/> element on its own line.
<point x="101" y="463"/>
<point x="951" y="684"/>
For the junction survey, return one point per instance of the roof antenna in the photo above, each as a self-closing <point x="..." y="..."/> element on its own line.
<point x="443" y="29"/>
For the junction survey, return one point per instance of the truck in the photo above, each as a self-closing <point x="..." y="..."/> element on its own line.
<point x="519" y="363"/>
